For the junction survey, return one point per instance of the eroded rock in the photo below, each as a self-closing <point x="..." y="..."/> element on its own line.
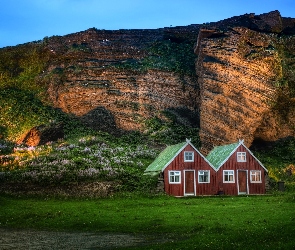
<point x="42" y="134"/>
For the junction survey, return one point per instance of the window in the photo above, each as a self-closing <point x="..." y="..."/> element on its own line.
<point x="188" y="156"/>
<point x="204" y="176"/>
<point x="241" y="156"/>
<point x="228" y="176"/>
<point x="174" y="177"/>
<point x="255" y="176"/>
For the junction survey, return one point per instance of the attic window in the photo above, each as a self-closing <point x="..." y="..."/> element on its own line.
<point x="228" y="176"/>
<point x="255" y="176"/>
<point x="204" y="176"/>
<point x="241" y="156"/>
<point x="188" y="156"/>
<point x="174" y="177"/>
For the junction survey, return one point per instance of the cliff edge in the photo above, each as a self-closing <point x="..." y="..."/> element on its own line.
<point x="241" y="65"/>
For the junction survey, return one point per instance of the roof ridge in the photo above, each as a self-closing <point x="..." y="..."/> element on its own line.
<point x="219" y="153"/>
<point x="165" y="157"/>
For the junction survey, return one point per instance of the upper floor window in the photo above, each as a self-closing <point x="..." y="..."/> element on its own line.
<point x="255" y="176"/>
<point x="228" y="176"/>
<point x="188" y="156"/>
<point x="204" y="176"/>
<point x="174" y="177"/>
<point x="241" y="156"/>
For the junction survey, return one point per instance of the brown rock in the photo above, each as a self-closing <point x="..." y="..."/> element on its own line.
<point x="237" y="76"/>
<point x="236" y="68"/>
<point x="42" y="134"/>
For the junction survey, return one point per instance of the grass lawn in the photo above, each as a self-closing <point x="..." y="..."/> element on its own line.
<point x="248" y="222"/>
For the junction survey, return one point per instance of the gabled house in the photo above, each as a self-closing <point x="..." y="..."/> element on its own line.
<point x="185" y="171"/>
<point x="238" y="171"/>
<point x="230" y="169"/>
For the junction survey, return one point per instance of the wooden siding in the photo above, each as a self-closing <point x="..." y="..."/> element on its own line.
<point x="232" y="164"/>
<point x="216" y="185"/>
<point x="199" y="163"/>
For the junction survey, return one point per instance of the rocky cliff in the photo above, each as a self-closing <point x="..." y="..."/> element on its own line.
<point x="118" y="79"/>
<point x="234" y="77"/>
<point x="240" y="67"/>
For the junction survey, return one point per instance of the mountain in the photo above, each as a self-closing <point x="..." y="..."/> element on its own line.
<point x="232" y="79"/>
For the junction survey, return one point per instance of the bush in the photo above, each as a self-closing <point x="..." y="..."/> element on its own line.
<point x="172" y="128"/>
<point x="6" y="147"/>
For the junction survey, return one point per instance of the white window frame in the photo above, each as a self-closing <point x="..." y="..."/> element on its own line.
<point x="188" y="156"/>
<point x="253" y="174"/>
<point x="241" y="157"/>
<point x="201" y="173"/>
<point x="232" y="174"/>
<point x="174" y="174"/>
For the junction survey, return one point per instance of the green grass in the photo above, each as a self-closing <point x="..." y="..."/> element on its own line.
<point x="203" y="223"/>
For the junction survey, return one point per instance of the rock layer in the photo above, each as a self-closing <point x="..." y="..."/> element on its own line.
<point x="90" y="80"/>
<point x="238" y="70"/>
<point x="101" y="77"/>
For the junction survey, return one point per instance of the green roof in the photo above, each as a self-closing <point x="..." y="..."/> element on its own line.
<point x="164" y="158"/>
<point x="217" y="156"/>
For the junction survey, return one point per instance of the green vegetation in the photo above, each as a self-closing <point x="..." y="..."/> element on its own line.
<point x="80" y="47"/>
<point x="21" y="110"/>
<point x="286" y="50"/>
<point x="171" y="56"/>
<point x="280" y="161"/>
<point x="173" y="126"/>
<point x="285" y="102"/>
<point x="98" y="156"/>
<point x="20" y="66"/>
<point x="258" y="222"/>
<point x="165" y="55"/>
<point x="91" y="158"/>
<point x="22" y="96"/>
<point x="85" y="155"/>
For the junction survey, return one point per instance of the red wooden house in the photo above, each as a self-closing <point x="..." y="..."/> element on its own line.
<point x="238" y="171"/>
<point x="185" y="171"/>
<point x="231" y="170"/>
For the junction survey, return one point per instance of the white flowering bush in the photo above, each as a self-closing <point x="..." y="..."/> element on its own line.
<point x="86" y="159"/>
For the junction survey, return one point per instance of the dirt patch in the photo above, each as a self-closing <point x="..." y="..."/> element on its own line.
<point x="45" y="240"/>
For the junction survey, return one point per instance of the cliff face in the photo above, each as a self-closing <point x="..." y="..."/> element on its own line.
<point x="99" y="76"/>
<point x="235" y="77"/>
<point x="239" y="70"/>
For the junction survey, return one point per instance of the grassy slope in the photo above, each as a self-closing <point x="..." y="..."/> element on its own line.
<point x="205" y="223"/>
<point x="21" y="93"/>
<point x="22" y="106"/>
<point x="213" y="223"/>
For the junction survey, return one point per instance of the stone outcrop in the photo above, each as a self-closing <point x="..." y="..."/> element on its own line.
<point x="42" y="134"/>
<point x="87" y="77"/>
<point x="114" y="80"/>
<point x="116" y="99"/>
<point x="238" y="69"/>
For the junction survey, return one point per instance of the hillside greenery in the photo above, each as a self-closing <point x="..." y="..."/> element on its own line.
<point x="165" y="55"/>
<point x="86" y="155"/>
<point x="279" y="159"/>
<point x="285" y="98"/>
<point x="99" y="156"/>
<point x="22" y="95"/>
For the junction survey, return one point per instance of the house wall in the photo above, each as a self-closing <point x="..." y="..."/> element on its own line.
<point x="199" y="163"/>
<point x="232" y="164"/>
